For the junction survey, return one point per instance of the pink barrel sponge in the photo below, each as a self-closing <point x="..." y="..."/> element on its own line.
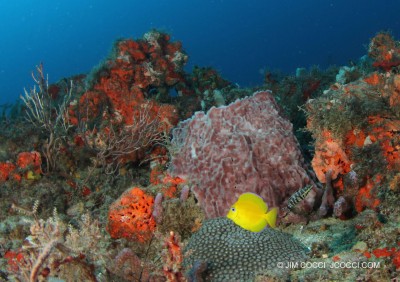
<point x="247" y="146"/>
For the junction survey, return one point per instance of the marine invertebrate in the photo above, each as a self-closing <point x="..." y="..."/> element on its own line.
<point x="330" y="157"/>
<point x="170" y="185"/>
<point x="139" y="65"/>
<point x="173" y="258"/>
<point x="6" y="171"/>
<point x="181" y="217"/>
<point x="347" y="74"/>
<point x="158" y="208"/>
<point x="120" y="115"/>
<point x="48" y="116"/>
<point x="90" y="106"/>
<point x="55" y="250"/>
<point x="392" y="253"/>
<point x="233" y="253"/>
<point x="367" y="197"/>
<point x="383" y="252"/>
<point x="356" y="129"/>
<point x="14" y="259"/>
<point x="130" y="216"/>
<point x="373" y="79"/>
<point x="184" y="193"/>
<point x="129" y="266"/>
<point x="41" y="110"/>
<point x="206" y="78"/>
<point x="385" y="51"/>
<point x="394" y="184"/>
<point x="341" y="208"/>
<point x="396" y="259"/>
<point x="231" y="150"/>
<point x="30" y="163"/>
<point x="327" y="197"/>
<point x="116" y="145"/>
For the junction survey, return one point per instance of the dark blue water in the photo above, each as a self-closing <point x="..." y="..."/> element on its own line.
<point x="237" y="37"/>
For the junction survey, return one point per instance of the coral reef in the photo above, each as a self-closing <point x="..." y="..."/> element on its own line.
<point x="119" y="116"/>
<point x="27" y="166"/>
<point x="208" y="84"/>
<point x="292" y="91"/>
<point x="128" y="266"/>
<point x="114" y="199"/>
<point x="48" y="112"/>
<point x="181" y="217"/>
<point x="364" y="241"/>
<point x="232" y="150"/>
<point x="30" y="162"/>
<point x="355" y="126"/>
<point x="203" y="79"/>
<point x="385" y="51"/>
<point x="152" y="62"/>
<point x="173" y="259"/>
<point x="56" y="250"/>
<point x="6" y="171"/>
<point x="232" y="253"/>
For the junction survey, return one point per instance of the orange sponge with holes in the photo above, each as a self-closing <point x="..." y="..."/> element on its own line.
<point x="130" y="216"/>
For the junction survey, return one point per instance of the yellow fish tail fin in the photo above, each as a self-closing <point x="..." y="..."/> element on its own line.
<point x="270" y="217"/>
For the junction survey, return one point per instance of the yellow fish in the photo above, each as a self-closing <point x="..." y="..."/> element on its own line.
<point x="251" y="213"/>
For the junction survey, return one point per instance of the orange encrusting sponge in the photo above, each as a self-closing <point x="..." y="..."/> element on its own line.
<point x="130" y="216"/>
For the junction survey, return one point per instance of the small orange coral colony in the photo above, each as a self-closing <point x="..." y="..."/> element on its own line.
<point x="5" y="171"/>
<point x="330" y="157"/>
<point x="366" y="197"/>
<point x="173" y="259"/>
<point x="373" y="79"/>
<point x="26" y="161"/>
<point x="130" y="216"/>
<point x="170" y="184"/>
<point x="31" y="160"/>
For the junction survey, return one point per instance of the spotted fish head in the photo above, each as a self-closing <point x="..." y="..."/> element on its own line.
<point x="298" y="196"/>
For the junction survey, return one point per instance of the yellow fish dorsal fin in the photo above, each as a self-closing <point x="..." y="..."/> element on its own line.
<point x="253" y="200"/>
<point x="270" y="217"/>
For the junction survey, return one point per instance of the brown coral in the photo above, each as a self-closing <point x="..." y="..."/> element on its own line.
<point x="232" y="253"/>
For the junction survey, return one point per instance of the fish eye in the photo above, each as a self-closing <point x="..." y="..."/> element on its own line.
<point x="233" y="209"/>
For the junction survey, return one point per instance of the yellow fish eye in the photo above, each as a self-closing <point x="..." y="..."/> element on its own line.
<point x="233" y="209"/>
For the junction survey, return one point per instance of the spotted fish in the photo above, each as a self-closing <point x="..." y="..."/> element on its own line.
<point x="298" y="196"/>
